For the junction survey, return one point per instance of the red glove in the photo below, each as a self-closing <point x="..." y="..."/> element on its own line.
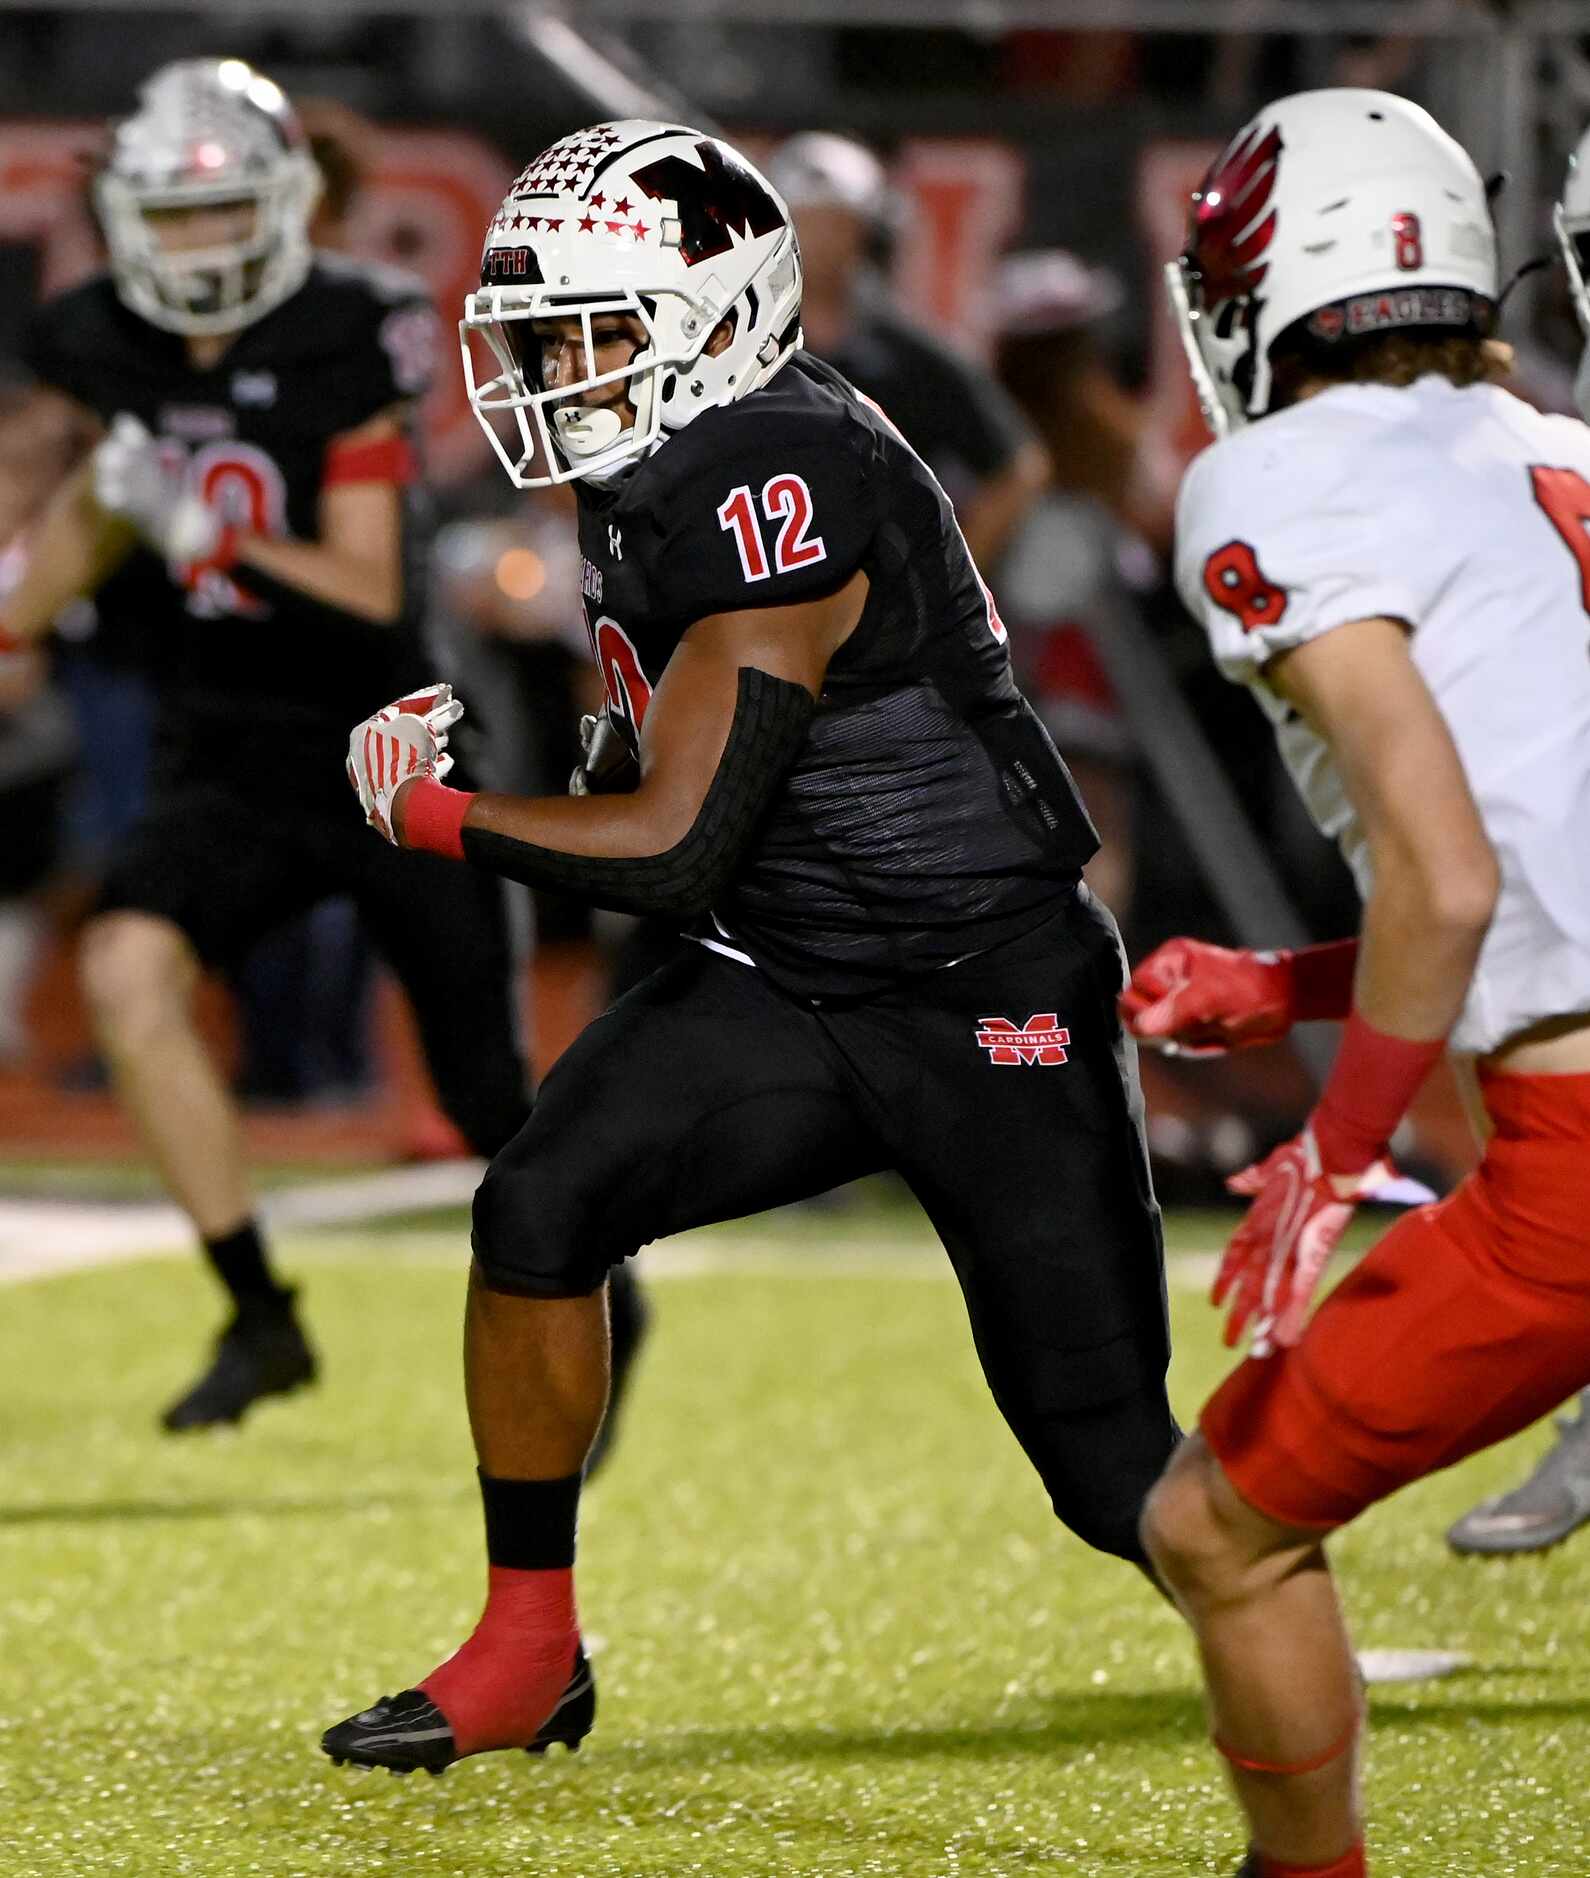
<point x="1193" y="999"/>
<point x="1305" y="1192"/>
<point x="1278" y="1254"/>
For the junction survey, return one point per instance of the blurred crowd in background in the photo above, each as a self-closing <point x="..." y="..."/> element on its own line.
<point x="982" y="217"/>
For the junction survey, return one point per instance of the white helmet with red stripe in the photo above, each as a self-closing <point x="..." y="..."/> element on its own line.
<point x="1341" y="213"/>
<point x="658" y="223"/>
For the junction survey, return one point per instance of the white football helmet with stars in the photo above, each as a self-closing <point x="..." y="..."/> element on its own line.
<point x="208" y="131"/>
<point x="656" y="222"/>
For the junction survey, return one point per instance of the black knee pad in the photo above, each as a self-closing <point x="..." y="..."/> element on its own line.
<point x="531" y="1235"/>
<point x="1112" y="1529"/>
<point x="1099" y="1466"/>
<point x="628" y="1311"/>
<point x="488" y="1119"/>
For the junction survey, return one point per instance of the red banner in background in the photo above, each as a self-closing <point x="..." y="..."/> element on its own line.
<point x="966" y="203"/>
<point x="424" y="204"/>
<point x="44" y="171"/>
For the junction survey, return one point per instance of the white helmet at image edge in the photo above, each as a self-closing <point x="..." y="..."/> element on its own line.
<point x="1571" y="220"/>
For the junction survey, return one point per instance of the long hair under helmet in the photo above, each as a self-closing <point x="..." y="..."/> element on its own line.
<point x="654" y="222"/>
<point x="206" y="133"/>
<point x="1341" y="214"/>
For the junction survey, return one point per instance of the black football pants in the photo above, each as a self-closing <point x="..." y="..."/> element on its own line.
<point x="1001" y="1089"/>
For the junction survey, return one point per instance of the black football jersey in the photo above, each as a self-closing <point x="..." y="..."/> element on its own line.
<point x="248" y="657"/>
<point x="928" y="815"/>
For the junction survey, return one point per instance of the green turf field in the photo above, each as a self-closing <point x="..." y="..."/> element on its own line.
<point x="837" y="1631"/>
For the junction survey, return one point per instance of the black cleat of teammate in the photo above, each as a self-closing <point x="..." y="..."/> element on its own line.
<point x="403" y="1732"/>
<point x="262" y="1351"/>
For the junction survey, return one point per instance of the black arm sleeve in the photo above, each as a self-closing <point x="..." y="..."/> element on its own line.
<point x="771" y="718"/>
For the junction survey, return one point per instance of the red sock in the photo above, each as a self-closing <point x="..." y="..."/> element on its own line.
<point x="500" y="1686"/>
<point x="1351" y="1864"/>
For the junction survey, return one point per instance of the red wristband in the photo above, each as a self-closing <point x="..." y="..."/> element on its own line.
<point x="433" y="817"/>
<point x="9" y="642"/>
<point x="1374" y="1078"/>
<point x="1322" y="980"/>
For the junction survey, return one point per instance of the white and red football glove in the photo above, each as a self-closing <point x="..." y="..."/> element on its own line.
<point x="1193" y="999"/>
<point x="1277" y="1256"/>
<point x="403" y="740"/>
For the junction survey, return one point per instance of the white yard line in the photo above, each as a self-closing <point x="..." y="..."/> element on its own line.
<point x="42" y="1238"/>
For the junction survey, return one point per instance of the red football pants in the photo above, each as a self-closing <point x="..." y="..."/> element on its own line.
<point x="1467" y="1322"/>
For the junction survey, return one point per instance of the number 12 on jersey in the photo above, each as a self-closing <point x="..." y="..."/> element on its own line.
<point x="785" y="499"/>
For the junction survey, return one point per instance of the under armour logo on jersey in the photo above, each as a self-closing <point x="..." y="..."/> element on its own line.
<point x="615" y="542"/>
<point x="1042" y="1039"/>
<point x="256" y="388"/>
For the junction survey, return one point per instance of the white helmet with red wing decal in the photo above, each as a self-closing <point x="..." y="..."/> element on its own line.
<point x="656" y="222"/>
<point x="1350" y="210"/>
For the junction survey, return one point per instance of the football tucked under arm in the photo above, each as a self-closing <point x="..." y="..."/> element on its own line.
<point x="769" y="725"/>
<point x="728" y="717"/>
<point x="771" y="718"/>
<point x="607" y="764"/>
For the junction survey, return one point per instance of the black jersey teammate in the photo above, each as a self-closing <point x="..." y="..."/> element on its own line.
<point x="255" y="491"/>
<point x="837" y="786"/>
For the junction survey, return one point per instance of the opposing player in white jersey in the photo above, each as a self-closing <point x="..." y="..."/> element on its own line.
<point x="1392" y="552"/>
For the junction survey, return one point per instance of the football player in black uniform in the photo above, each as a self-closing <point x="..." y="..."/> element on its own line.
<point x="256" y="481"/>
<point x="836" y="782"/>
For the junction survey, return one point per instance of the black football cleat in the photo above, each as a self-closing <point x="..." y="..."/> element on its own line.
<point x="575" y="1715"/>
<point x="262" y="1351"/>
<point x="629" y="1317"/>
<point x="403" y="1732"/>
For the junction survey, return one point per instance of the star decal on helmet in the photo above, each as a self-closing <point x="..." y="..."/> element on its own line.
<point x="566" y="165"/>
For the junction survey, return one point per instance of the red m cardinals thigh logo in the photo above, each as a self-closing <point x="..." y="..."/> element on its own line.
<point x="1040" y="1040"/>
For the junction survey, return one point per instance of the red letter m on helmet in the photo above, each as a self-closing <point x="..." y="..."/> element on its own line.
<point x="1039" y="1040"/>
